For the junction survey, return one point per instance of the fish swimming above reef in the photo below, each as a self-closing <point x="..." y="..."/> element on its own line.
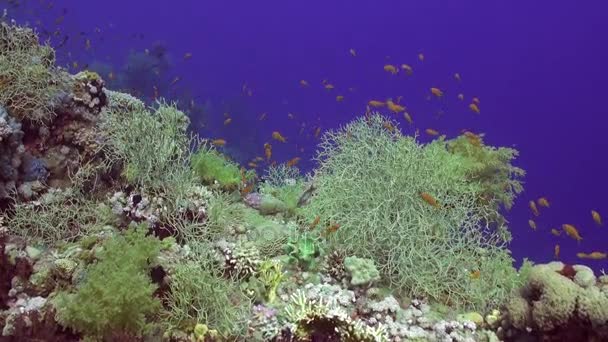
<point x="305" y="197"/>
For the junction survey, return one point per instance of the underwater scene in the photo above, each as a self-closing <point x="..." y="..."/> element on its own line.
<point x="395" y="170"/>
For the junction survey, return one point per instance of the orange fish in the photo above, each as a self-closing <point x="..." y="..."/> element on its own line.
<point x="262" y="116"/>
<point x="252" y="165"/>
<point x="304" y="83"/>
<point x="572" y="232"/>
<point x="267" y="151"/>
<point x="543" y="202"/>
<point x="391" y="69"/>
<point x="556" y="232"/>
<point x="314" y="223"/>
<point x="332" y="228"/>
<point x="474" y="108"/>
<point x="431" y="132"/>
<point x="388" y="126"/>
<point x="277" y="136"/>
<point x="473" y="138"/>
<point x="218" y="142"/>
<point x="592" y="255"/>
<point x="408" y="118"/>
<point x="533" y="208"/>
<point x="187" y="55"/>
<point x="376" y="104"/>
<point x="393" y="107"/>
<point x="353" y="52"/>
<point x="475" y="274"/>
<point x="461" y="96"/>
<point x="556" y="251"/>
<point x="596" y="217"/>
<point x="329" y="86"/>
<point x="428" y="198"/>
<point x="227" y="121"/>
<point x="408" y="69"/>
<point x="421" y="57"/>
<point x="293" y="161"/>
<point x="339" y="98"/>
<point x="532" y="224"/>
<point x="437" y="92"/>
<point x="317" y="132"/>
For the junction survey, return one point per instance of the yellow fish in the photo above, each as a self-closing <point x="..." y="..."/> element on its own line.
<point x="353" y="52"/>
<point x="408" y="118"/>
<point x="572" y="232"/>
<point x="218" y="142"/>
<point x="376" y="104"/>
<point x="474" y="108"/>
<point x="408" y="69"/>
<point x="592" y="255"/>
<point x="533" y="208"/>
<point x="339" y="98"/>
<point x="556" y="232"/>
<point x="431" y="132"/>
<point x="267" y="151"/>
<point x="437" y="92"/>
<point x="391" y="69"/>
<point x="596" y="217"/>
<point x="293" y="161"/>
<point x="277" y="136"/>
<point x="532" y="224"/>
<point x="393" y="107"/>
<point x="317" y="132"/>
<point x="543" y="202"/>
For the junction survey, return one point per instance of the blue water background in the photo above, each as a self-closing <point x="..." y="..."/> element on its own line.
<point x="539" y="69"/>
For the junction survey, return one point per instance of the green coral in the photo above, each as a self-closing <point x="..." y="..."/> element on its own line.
<point x="271" y="274"/>
<point x="30" y="84"/>
<point x="117" y="294"/>
<point x="198" y="294"/>
<point x="370" y="181"/>
<point x="303" y="250"/>
<point x="212" y="167"/>
<point x="362" y="271"/>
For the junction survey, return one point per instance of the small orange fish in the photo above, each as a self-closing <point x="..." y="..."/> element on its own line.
<point x="376" y="104"/>
<point x="556" y="232"/>
<point x="532" y="224"/>
<point x="461" y="96"/>
<point x="277" y="136"/>
<point x="393" y="107"/>
<point x="408" y="118"/>
<point x="408" y="69"/>
<point x="317" y="132"/>
<point x="533" y="208"/>
<point x="431" y="132"/>
<point x="428" y="198"/>
<point x="421" y="57"/>
<point x="388" y="126"/>
<point x="314" y="223"/>
<point x="218" y="142"/>
<point x="304" y="83"/>
<point x="592" y="255"/>
<point x="293" y="161"/>
<point x="353" y="52"/>
<point x="339" y="98"/>
<point x="572" y="232"/>
<point x="596" y="217"/>
<point x="391" y="69"/>
<point x="474" y="108"/>
<point x="329" y="86"/>
<point x="187" y="55"/>
<point x="247" y="189"/>
<point x="267" y="151"/>
<point x="262" y="116"/>
<point x="475" y="100"/>
<point x="227" y="121"/>
<point x="543" y="202"/>
<point x="252" y="165"/>
<point x="475" y="274"/>
<point x="437" y="92"/>
<point x="556" y="252"/>
<point x="175" y="80"/>
<point x="332" y="228"/>
<point x="457" y="77"/>
<point x="473" y="138"/>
